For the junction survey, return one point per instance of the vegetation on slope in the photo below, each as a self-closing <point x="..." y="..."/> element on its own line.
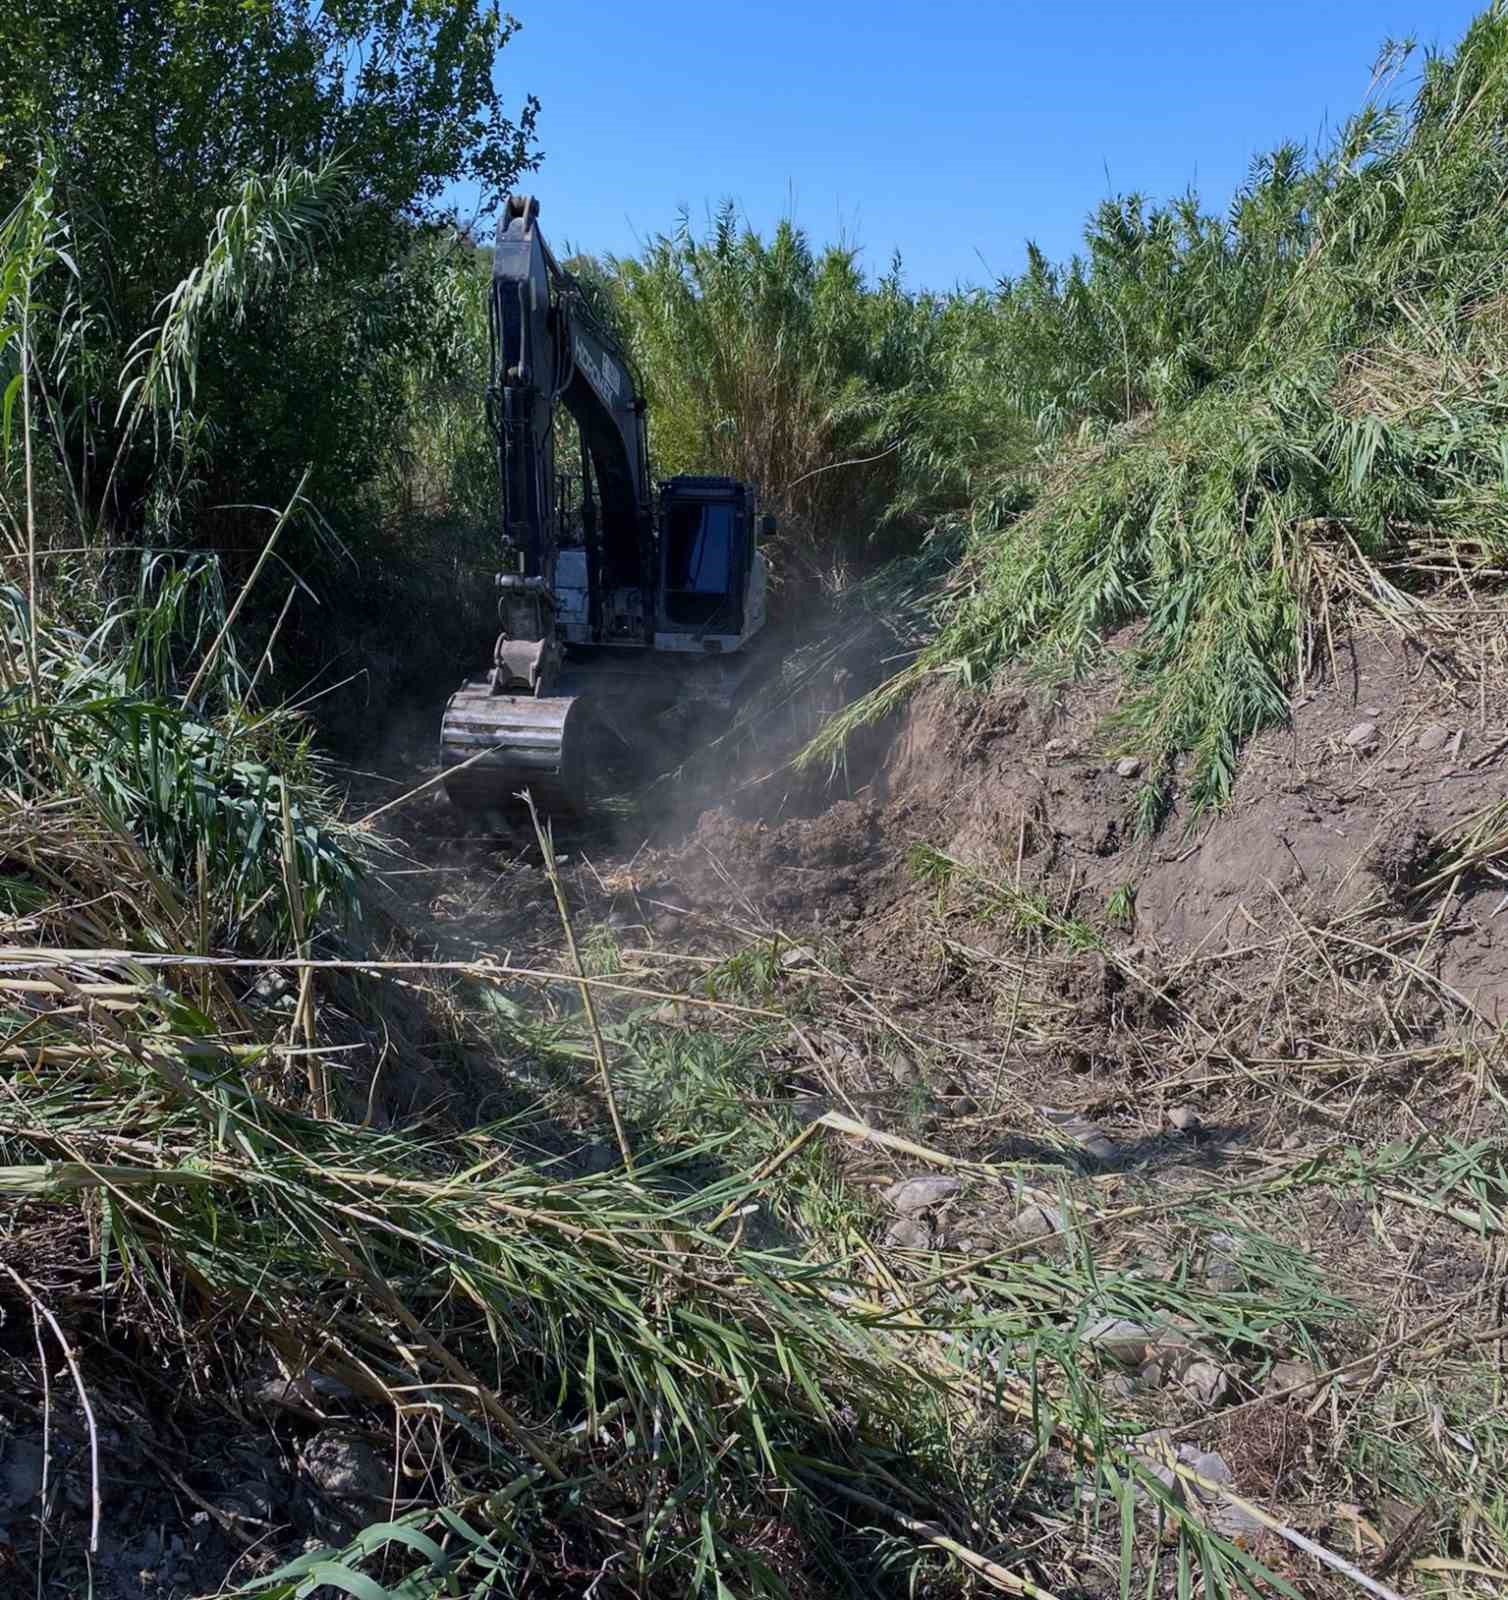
<point x="1252" y="419"/>
<point x="1215" y="427"/>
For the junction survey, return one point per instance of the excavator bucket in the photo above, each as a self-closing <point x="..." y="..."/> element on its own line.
<point x="495" y="746"/>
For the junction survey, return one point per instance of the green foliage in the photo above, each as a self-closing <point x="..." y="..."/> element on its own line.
<point x="1027" y="912"/>
<point x="268" y="234"/>
<point x="206" y="802"/>
<point x="1242" y="421"/>
<point x="774" y="363"/>
<point x="1120" y="908"/>
<point x="313" y="147"/>
<point x="93" y="704"/>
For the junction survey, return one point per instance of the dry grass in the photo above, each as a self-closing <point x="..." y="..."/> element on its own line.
<point x="1338" y="1198"/>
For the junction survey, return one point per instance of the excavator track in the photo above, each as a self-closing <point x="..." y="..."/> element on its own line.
<point x="513" y="742"/>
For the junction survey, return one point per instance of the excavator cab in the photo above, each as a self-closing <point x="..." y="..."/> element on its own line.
<point x="711" y="574"/>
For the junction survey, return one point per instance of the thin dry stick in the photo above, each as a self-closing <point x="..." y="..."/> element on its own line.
<point x="229" y="1522"/>
<point x="1320" y="1379"/>
<point x="464" y="1377"/>
<point x="427" y="785"/>
<point x="319" y="1079"/>
<point x="29" y="957"/>
<point x="762" y="1172"/>
<point x="992" y="1573"/>
<point x="246" y="588"/>
<point x="1298" y="1540"/>
<point x="43" y="1368"/>
<point x="272" y="639"/>
<point x="78" y="1383"/>
<point x="31" y="510"/>
<point x="1077" y="1219"/>
<point x="547" y="849"/>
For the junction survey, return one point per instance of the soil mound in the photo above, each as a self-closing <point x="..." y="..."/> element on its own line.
<point x="1377" y="805"/>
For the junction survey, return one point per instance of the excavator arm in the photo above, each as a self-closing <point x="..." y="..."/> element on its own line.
<point x="550" y="355"/>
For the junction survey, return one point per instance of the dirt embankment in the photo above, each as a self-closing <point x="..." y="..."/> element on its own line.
<point x="1358" y="813"/>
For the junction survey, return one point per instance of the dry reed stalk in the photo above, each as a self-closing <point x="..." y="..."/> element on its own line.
<point x="763" y="1171"/>
<point x="266" y="656"/>
<point x="230" y="619"/>
<point x="319" y="1080"/>
<point x="78" y="1383"/>
<point x="468" y="1380"/>
<point x="32" y="607"/>
<point x="27" y="957"/>
<point x="934" y="1533"/>
<point x="426" y="786"/>
<point x="599" y="1049"/>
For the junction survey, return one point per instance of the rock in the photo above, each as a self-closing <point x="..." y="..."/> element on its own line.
<point x="1432" y="736"/>
<point x="1128" y="767"/>
<point x="1185" y="1119"/>
<point x="1123" y="1341"/>
<point x="1210" y="1466"/>
<point x="1151" y="1452"/>
<point x="917" y="1194"/>
<point x="909" y="1233"/>
<point x="1036" y="1221"/>
<point x="20" y="1474"/>
<point x="1292" y="1375"/>
<point x="1235" y="1522"/>
<point x="903" y="1068"/>
<point x="1223" y="1275"/>
<point x="307" y="1395"/>
<point x="344" y="1468"/>
<point x="1370" y="711"/>
<point x="1176" y="1348"/>
<point x="1119" y="1385"/>
<point x="1363" y="734"/>
<point x="1089" y="1137"/>
<point x="1054" y="745"/>
<point x="1206" y="1382"/>
<point x="1397" y="764"/>
<point x="798" y="955"/>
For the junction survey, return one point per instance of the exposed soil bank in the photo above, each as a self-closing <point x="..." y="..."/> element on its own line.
<point x="1350" y="813"/>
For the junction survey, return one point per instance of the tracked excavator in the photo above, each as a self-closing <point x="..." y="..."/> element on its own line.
<point x="627" y="615"/>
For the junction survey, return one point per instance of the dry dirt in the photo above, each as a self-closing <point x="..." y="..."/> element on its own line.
<point x="1019" y="786"/>
<point x="1287" y="968"/>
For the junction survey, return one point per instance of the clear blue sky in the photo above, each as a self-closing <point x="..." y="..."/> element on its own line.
<point x="950" y="129"/>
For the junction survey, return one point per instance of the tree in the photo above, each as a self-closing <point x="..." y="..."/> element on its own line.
<point x="153" y="113"/>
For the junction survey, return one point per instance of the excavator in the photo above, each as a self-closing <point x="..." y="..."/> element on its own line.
<point x="627" y="615"/>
